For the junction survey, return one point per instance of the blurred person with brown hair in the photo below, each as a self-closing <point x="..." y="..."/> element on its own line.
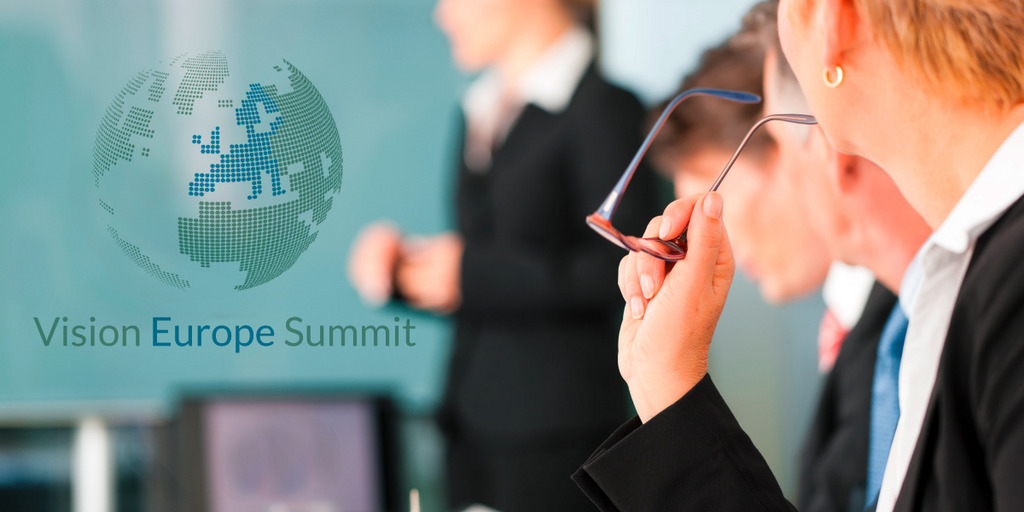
<point x="532" y="385"/>
<point x="933" y="92"/>
<point x="765" y="216"/>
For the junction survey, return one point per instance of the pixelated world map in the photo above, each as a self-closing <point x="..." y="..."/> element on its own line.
<point x="291" y="136"/>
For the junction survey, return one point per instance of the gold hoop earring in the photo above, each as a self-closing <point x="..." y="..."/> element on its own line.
<point x="832" y="84"/>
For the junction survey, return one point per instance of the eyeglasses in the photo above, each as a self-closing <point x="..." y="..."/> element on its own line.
<point x="674" y="250"/>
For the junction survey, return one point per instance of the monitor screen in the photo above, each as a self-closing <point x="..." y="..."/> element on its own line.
<point x="292" y="456"/>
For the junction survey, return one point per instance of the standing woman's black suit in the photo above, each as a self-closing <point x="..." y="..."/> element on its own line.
<point x="533" y="384"/>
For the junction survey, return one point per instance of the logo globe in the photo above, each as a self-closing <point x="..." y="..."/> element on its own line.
<point x="209" y="178"/>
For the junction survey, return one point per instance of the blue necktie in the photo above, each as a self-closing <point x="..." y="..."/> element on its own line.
<point x="885" y="404"/>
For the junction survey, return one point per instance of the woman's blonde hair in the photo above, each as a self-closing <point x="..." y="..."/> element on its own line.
<point x="971" y="47"/>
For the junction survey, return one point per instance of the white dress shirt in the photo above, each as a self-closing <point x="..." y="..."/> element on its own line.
<point x="846" y="292"/>
<point x="491" y="107"/>
<point x="929" y="291"/>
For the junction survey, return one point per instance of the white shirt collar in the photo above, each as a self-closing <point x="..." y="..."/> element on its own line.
<point x="846" y="292"/>
<point x="549" y="83"/>
<point x="911" y="284"/>
<point x="999" y="185"/>
<point x="552" y="80"/>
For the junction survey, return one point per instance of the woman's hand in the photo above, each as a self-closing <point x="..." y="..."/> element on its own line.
<point x="672" y="308"/>
<point x="371" y="263"/>
<point x="429" y="273"/>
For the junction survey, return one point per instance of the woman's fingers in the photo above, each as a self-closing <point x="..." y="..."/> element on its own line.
<point x="651" y="270"/>
<point x="725" y="267"/>
<point x="641" y="275"/>
<point x="709" y="261"/>
<point x="416" y="291"/>
<point x="630" y="285"/>
<point x="405" y="279"/>
<point x="677" y="217"/>
<point x="622" y="276"/>
<point x="705" y="234"/>
<point x="372" y="262"/>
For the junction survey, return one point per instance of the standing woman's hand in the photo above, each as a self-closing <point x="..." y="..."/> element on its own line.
<point x="372" y="262"/>
<point x="672" y="308"/>
<point x="429" y="273"/>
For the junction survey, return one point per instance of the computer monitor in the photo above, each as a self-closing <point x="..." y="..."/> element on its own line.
<point x="285" y="452"/>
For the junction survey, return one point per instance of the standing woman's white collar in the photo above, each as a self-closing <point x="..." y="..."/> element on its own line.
<point x="552" y="80"/>
<point x="549" y="83"/>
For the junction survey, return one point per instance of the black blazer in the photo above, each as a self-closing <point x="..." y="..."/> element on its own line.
<point x="536" y="335"/>
<point x="969" y="456"/>
<point x="834" y="463"/>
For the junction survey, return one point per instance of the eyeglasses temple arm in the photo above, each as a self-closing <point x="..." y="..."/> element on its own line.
<point x="612" y="201"/>
<point x="789" y="118"/>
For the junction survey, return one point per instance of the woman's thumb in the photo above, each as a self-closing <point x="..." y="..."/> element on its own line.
<point x="704" y="235"/>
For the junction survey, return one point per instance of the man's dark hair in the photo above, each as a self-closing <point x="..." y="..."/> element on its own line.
<point x="703" y="123"/>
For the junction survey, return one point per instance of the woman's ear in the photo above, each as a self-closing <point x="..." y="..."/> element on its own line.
<point x="841" y="22"/>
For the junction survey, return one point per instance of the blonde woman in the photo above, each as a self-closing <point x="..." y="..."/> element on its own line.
<point x="933" y="92"/>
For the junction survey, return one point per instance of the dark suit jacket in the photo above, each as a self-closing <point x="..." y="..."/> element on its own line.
<point x="536" y="335"/>
<point x="834" y="463"/>
<point x="970" y="455"/>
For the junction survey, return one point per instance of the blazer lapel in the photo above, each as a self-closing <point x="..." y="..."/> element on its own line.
<point x="532" y="125"/>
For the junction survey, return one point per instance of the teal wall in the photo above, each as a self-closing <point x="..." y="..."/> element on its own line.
<point x="384" y="71"/>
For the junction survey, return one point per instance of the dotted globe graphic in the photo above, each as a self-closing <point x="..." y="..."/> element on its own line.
<point x="209" y="177"/>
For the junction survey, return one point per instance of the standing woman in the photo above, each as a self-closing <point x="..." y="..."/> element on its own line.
<point x="532" y="386"/>
<point x="933" y="92"/>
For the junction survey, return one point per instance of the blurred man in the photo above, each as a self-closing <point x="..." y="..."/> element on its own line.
<point x="774" y="243"/>
<point x="794" y="205"/>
